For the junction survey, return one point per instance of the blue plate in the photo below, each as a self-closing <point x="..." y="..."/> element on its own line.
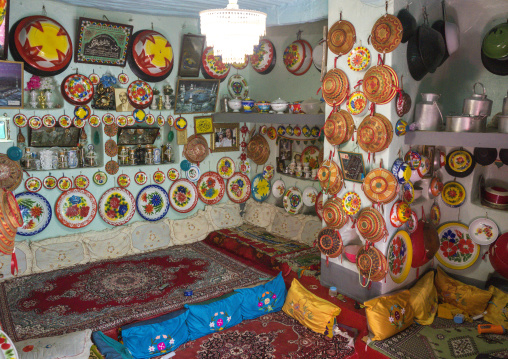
<point x="14" y="153"/>
<point x="260" y="188"/>
<point x="185" y="165"/>
<point x="154" y="205"/>
<point x="36" y="213"/>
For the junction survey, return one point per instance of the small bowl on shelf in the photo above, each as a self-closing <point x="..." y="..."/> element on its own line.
<point x="248" y="105"/>
<point x="235" y="104"/>
<point x="279" y="106"/>
<point x="311" y="106"/>
<point x="263" y="106"/>
<point x="296" y="107"/>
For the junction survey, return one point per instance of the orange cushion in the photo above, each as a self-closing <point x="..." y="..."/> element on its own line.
<point x="497" y="311"/>
<point x="423" y="299"/>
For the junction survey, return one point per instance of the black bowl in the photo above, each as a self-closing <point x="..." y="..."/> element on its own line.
<point x="439" y="26"/>
<point x="485" y="156"/>
<point x="431" y="46"/>
<point x="503" y="155"/>
<point x="497" y="67"/>
<point x="408" y="24"/>
<point x="414" y="61"/>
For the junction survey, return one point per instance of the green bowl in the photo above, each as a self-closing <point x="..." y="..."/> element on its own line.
<point x="495" y="43"/>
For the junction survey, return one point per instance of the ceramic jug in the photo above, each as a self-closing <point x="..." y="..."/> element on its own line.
<point x="428" y="114"/>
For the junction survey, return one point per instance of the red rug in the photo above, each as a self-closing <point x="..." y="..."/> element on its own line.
<point x="108" y="294"/>
<point x="271" y="336"/>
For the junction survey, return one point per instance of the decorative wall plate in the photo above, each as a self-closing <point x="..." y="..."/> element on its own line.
<point x="123" y="180"/>
<point x="329" y="242"/>
<point x="196" y="149"/>
<point x="36" y="213"/>
<point x="42" y="43"/>
<point x="380" y="186"/>
<point x="117" y="206"/>
<point x="139" y="115"/>
<point x="400" y="256"/>
<point x="8" y="349"/>
<point x="152" y="203"/>
<point x="314" y="131"/>
<point x="108" y="119"/>
<point x="356" y="103"/>
<point x="454" y="194"/>
<point x="306" y="131"/>
<point x="435" y="215"/>
<point x="94" y="121"/>
<point x="173" y="174"/>
<point x="64" y="183"/>
<point x="159" y="177"/>
<point x="408" y="192"/>
<point x="297" y="131"/>
<point x="341" y="37"/>
<point x="294" y="56"/>
<point x="49" y="182"/>
<point x="140" y="178"/>
<point x="123" y="78"/>
<point x="358" y="59"/>
<point x="112" y="167"/>
<point x="394" y="219"/>
<point x="456" y="250"/>
<point x="260" y="189"/>
<point x="309" y="196"/>
<point x="81" y="112"/>
<point x="121" y="121"/>
<point x="238" y="87"/>
<point x="151" y="55"/>
<point x="183" y="195"/>
<point x="79" y="123"/>
<point x="161" y="120"/>
<point x="351" y="203"/>
<point x="111" y="130"/>
<point x="65" y="121"/>
<point x="483" y="231"/>
<point x="278" y="188"/>
<point x="319" y="205"/>
<point x="111" y="148"/>
<point x="193" y="173"/>
<point x="264" y="57"/>
<point x="460" y="163"/>
<point x="33" y="184"/>
<point x="11" y="173"/>
<point x="238" y="188"/>
<point x="100" y="178"/>
<point x="20" y="120"/>
<point x="245" y="167"/>
<point x="150" y="119"/>
<point x="241" y="66"/>
<point x="212" y="66"/>
<point x="94" y="79"/>
<point x="211" y="188"/>
<point x="49" y="120"/>
<point x="76" y="208"/>
<point x="281" y="130"/>
<point x="226" y="167"/>
<point x="130" y="120"/>
<point x="180" y="123"/>
<point x="386" y="34"/>
<point x="170" y="120"/>
<point x="268" y="172"/>
<point x="292" y="200"/>
<point x="271" y="132"/>
<point x="35" y="122"/>
<point x="77" y="89"/>
<point x="412" y="223"/>
<point x="81" y="182"/>
<point x="311" y="155"/>
<point x="140" y="94"/>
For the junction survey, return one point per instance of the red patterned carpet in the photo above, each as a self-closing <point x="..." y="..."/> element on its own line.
<point x="271" y="336"/>
<point x="108" y="294"/>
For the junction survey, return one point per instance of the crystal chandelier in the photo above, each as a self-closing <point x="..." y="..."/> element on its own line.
<point x="232" y="32"/>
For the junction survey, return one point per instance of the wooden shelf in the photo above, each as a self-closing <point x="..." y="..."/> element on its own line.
<point x="285" y="118"/>
<point x="454" y="139"/>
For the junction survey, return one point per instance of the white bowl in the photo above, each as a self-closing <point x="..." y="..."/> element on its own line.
<point x="311" y="106"/>
<point x="279" y="106"/>
<point x="235" y="104"/>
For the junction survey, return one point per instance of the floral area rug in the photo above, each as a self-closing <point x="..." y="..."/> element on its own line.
<point x="443" y="339"/>
<point x="108" y="294"/>
<point x="271" y="336"/>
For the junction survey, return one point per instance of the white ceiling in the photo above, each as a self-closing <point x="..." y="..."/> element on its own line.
<point x="280" y="12"/>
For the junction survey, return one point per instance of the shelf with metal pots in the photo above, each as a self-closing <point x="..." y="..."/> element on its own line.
<point x="455" y="139"/>
<point x="284" y="118"/>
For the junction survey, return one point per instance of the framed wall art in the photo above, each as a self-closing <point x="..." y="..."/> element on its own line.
<point x="102" y="42"/>
<point x="190" y="55"/>
<point x="285" y="149"/>
<point x="122" y="101"/>
<point x="11" y="84"/>
<point x="203" y="124"/>
<point x="225" y="137"/>
<point x="4" y="28"/>
<point x="353" y="168"/>
<point x="196" y="95"/>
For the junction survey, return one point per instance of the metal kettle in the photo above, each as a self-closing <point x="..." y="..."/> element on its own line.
<point x="478" y="104"/>
<point x="428" y="115"/>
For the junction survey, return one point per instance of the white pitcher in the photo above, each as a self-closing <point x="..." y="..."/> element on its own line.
<point x="428" y="114"/>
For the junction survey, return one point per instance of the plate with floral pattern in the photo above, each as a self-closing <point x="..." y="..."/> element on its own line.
<point x="263" y="58"/>
<point x="35" y="122"/>
<point x="8" y="350"/>
<point x="159" y="177"/>
<point x="36" y="213"/>
<point x="309" y="196"/>
<point x="193" y="173"/>
<point x="358" y="59"/>
<point x="100" y="178"/>
<point x="278" y="188"/>
<point x="121" y="121"/>
<point x="65" y="121"/>
<point x="292" y="200"/>
<point x="123" y="180"/>
<point x="94" y="79"/>
<point x="140" y="178"/>
<point x="108" y="119"/>
<point x="76" y="208"/>
<point x="81" y="181"/>
<point x="170" y="120"/>
<point x="131" y="121"/>
<point x="435" y="214"/>
<point x="306" y="131"/>
<point x="212" y="66"/>
<point x="226" y="167"/>
<point x="64" y="183"/>
<point x="311" y="156"/>
<point x="183" y="195"/>
<point x="356" y="103"/>
<point x="281" y="130"/>
<point x="453" y="194"/>
<point x="483" y="231"/>
<point x="150" y="119"/>
<point x="260" y="188"/>
<point x="49" y="120"/>
<point x="123" y="78"/>
<point x="117" y="206"/>
<point x="20" y="120"/>
<point x="400" y="256"/>
<point x="351" y="203"/>
<point x="33" y="184"/>
<point x="152" y="203"/>
<point x="140" y="94"/>
<point x="211" y="188"/>
<point x="271" y="132"/>
<point x="412" y="223"/>
<point x="78" y="122"/>
<point x="49" y="182"/>
<point x="77" y="89"/>
<point x="268" y="172"/>
<point x="173" y="174"/>
<point x="94" y="121"/>
<point x="238" y="188"/>
<point x="456" y="249"/>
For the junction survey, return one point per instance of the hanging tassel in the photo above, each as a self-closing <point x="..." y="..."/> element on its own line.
<point x="319" y="89"/>
<point x="372" y="107"/>
<point x="14" y="263"/>
<point x="379" y="60"/>
<point x="370" y="285"/>
<point x="335" y="61"/>
<point x="358" y="83"/>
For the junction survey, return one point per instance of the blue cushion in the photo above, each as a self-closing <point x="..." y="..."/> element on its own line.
<point x="157" y="336"/>
<point x="110" y="348"/>
<point x="263" y="299"/>
<point x="214" y="316"/>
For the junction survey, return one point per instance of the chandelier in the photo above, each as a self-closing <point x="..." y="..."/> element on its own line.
<point x="232" y="32"/>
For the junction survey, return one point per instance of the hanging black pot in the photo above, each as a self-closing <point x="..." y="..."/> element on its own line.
<point x="497" y="67"/>
<point x="460" y="163"/>
<point x="408" y="24"/>
<point x="503" y="155"/>
<point x="432" y="47"/>
<point x="439" y="26"/>
<point x="415" y="64"/>
<point x="485" y="156"/>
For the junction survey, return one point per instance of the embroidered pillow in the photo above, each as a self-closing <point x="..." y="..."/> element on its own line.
<point x="109" y="243"/>
<point x="258" y="214"/>
<point x="157" y="336"/>
<point x="310" y="229"/>
<point x="286" y="225"/>
<point x="226" y="215"/>
<point x="423" y="299"/>
<point x="387" y="315"/>
<point x="470" y="299"/>
<point x="310" y="310"/>
<point x="149" y="236"/>
<point x="74" y="345"/>
<point x="58" y="252"/>
<point x="497" y="311"/>
<point x="191" y="229"/>
<point x="263" y="299"/>
<point x="214" y="315"/>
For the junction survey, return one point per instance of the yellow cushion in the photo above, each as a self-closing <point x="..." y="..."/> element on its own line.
<point x="470" y="299"/>
<point x="423" y="299"/>
<point x="497" y="311"/>
<point x="389" y="314"/>
<point x="308" y="309"/>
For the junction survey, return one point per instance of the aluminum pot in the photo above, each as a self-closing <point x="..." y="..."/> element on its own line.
<point x="478" y="104"/>
<point x="503" y="123"/>
<point x="505" y="106"/>
<point x="463" y="123"/>
<point x="428" y="115"/>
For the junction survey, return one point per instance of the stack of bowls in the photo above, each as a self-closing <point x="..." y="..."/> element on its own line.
<point x="371" y="225"/>
<point x="380" y="84"/>
<point x="495" y="50"/>
<point x="333" y="213"/>
<point x="375" y="133"/>
<point x="335" y="87"/>
<point x="330" y="177"/>
<point x="339" y="127"/>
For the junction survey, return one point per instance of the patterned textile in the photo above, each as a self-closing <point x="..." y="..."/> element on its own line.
<point x="278" y="253"/>
<point x="108" y="294"/>
<point x="94" y="353"/>
<point x="442" y="339"/>
<point x="271" y="336"/>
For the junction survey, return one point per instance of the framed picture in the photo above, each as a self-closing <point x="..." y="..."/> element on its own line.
<point x="225" y="137"/>
<point x="285" y="149"/>
<point x="55" y="136"/>
<point x="4" y="28"/>
<point x="429" y="152"/>
<point x="11" y="84"/>
<point x="203" y="124"/>
<point x="102" y="42"/>
<point x="137" y="135"/>
<point x="281" y="165"/>
<point x="353" y="168"/>
<point x="190" y="55"/>
<point x="122" y="101"/>
<point x="196" y="95"/>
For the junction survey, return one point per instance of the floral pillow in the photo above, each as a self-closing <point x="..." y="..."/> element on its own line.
<point x="59" y="252"/>
<point x="497" y="311"/>
<point x="264" y="298"/>
<point x="423" y="299"/>
<point x="259" y="214"/>
<point x="225" y="215"/>
<point x="286" y="225"/>
<point x="191" y="229"/>
<point x="74" y="345"/>
<point x="109" y="243"/>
